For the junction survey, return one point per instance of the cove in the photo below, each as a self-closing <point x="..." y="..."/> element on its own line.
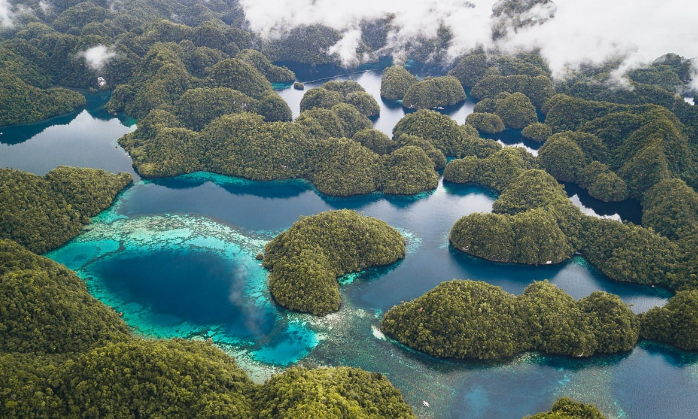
<point x="177" y="257"/>
<point x="84" y="138"/>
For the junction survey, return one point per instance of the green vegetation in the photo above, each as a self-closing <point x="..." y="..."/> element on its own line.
<point x="623" y="252"/>
<point x="21" y="103"/>
<point x="565" y="408"/>
<point x="64" y="354"/>
<point x="470" y="69"/>
<point x="345" y="88"/>
<point x="332" y="393"/>
<point x="312" y="147"/>
<point x="351" y="118"/>
<point x="319" y="97"/>
<point x="602" y="183"/>
<point x="273" y="108"/>
<point x="344" y="168"/>
<point x="495" y="171"/>
<point x="538" y="88"/>
<point x="671" y="209"/>
<point x="304" y="44"/>
<point x="137" y="369"/>
<point x="298" y="85"/>
<point x="400" y="176"/>
<point x="574" y="157"/>
<point x="375" y="140"/>
<point x="676" y="323"/>
<point x="273" y="73"/>
<point x="198" y="107"/>
<point x="239" y="75"/>
<point x="475" y="67"/>
<point x="562" y="157"/>
<point x="431" y="93"/>
<point x="537" y="132"/>
<point x="469" y="319"/>
<point x="645" y="144"/>
<point x="306" y="259"/>
<point x="515" y="110"/>
<point x="204" y="101"/>
<point x="46" y="309"/>
<point x="364" y="102"/>
<point x="655" y="149"/>
<point x="395" y="83"/>
<point x="333" y="93"/>
<point x="42" y="213"/>
<point x="532" y="237"/>
<point x="485" y="122"/>
<point x="445" y="134"/>
<point x="432" y="152"/>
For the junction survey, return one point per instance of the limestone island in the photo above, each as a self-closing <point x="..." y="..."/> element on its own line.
<point x="472" y="319"/>
<point x="306" y="259"/>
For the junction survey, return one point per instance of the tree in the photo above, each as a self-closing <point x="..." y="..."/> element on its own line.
<point x="395" y="82"/>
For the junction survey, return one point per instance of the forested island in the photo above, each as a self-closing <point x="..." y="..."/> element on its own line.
<point x="468" y="319"/>
<point x="201" y="85"/>
<point x="306" y="259"/>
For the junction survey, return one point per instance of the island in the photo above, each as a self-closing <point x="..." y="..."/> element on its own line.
<point x="434" y="92"/>
<point x="306" y="259"/>
<point x="469" y="319"/>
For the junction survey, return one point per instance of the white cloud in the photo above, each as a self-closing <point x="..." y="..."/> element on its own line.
<point x="589" y="31"/>
<point x="346" y="48"/>
<point x="593" y="31"/>
<point x="6" y="14"/>
<point x="97" y="56"/>
<point x="45" y="6"/>
<point x="694" y="84"/>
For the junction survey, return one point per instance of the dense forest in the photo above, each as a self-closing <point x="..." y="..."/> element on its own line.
<point x="43" y="212"/>
<point x="200" y="83"/>
<point x="395" y="83"/>
<point x="306" y="259"/>
<point x="434" y="92"/>
<point x="468" y="319"/>
<point x="624" y="252"/>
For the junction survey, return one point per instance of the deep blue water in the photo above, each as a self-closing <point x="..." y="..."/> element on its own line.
<point x="199" y="286"/>
<point x="177" y="257"/>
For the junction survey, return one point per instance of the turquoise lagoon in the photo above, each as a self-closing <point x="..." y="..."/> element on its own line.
<point x="177" y="258"/>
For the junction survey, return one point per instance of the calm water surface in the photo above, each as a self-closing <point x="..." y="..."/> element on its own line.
<point x="177" y="257"/>
<point x="84" y="138"/>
